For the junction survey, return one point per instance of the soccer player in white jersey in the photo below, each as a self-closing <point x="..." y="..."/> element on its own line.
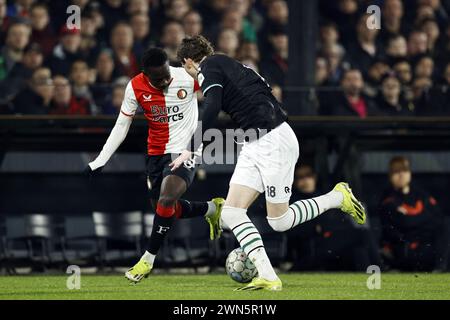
<point x="266" y="164"/>
<point x="167" y="95"/>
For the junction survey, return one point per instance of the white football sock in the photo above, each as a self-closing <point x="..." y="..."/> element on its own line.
<point x="211" y="208"/>
<point x="305" y="210"/>
<point x="250" y="240"/>
<point x="150" y="258"/>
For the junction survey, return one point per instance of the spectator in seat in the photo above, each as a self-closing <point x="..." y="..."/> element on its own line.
<point x="274" y="68"/>
<point x="439" y="9"/>
<point x="249" y="12"/>
<point x="424" y="67"/>
<point x="352" y="101"/>
<point x="138" y="7"/>
<point x="249" y="50"/>
<point x="80" y="78"/>
<point x="442" y="53"/>
<point x="140" y="23"/>
<point x="345" y="13"/>
<point x="437" y="102"/>
<point x="321" y="75"/>
<point x="417" y="44"/>
<point x="228" y="42"/>
<point x="89" y="45"/>
<point x="66" y="51"/>
<point x="277" y="15"/>
<point x="392" y="14"/>
<point x="390" y="101"/>
<point x="18" y="78"/>
<point x="125" y="61"/>
<point x="363" y="52"/>
<point x="420" y="90"/>
<point x="42" y="32"/>
<point x="330" y="242"/>
<point x="113" y="11"/>
<point x="17" y="38"/>
<point x="115" y="102"/>
<point x="64" y="102"/>
<point x="403" y="70"/>
<point x="397" y="48"/>
<point x="193" y="23"/>
<point x="177" y="9"/>
<point x="329" y="34"/>
<point x="431" y="29"/>
<point x="172" y="35"/>
<point x="36" y="97"/>
<point x="212" y="11"/>
<point x="233" y="19"/>
<point x="278" y="12"/>
<point x="375" y="75"/>
<point x="104" y="77"/>
<point x="415" y="232"/>
<point x="334" y="54"/>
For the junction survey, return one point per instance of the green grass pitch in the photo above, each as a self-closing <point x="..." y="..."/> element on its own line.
<point x="220" y="287"/>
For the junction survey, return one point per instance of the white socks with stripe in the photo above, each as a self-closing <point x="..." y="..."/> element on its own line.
<point x="249" y="239"/>
<point x="305" y="210"/>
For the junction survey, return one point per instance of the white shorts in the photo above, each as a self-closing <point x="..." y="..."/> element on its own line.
<point x="268" y="164"/>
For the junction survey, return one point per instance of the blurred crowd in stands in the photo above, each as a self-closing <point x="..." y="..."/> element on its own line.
<point x="408" y="229"/>
<point x="402" y="69"/>
<point x="48" y="68"/>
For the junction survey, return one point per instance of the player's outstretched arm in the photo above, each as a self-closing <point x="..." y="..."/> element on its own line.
<point x="212" y="107"/>
<point x="115" y="139"/>
<point x="118" y="133"/>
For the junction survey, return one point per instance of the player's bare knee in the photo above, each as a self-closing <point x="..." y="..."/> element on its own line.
<point x="275" y="210"/>
<point x="167" y="201"/>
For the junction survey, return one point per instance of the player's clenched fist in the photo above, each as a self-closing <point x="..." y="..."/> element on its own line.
<point x="88" y="172"/>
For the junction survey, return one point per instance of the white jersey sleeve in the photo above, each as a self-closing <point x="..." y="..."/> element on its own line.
<point x="120" y="130"/>
<point x="129" y="104"/>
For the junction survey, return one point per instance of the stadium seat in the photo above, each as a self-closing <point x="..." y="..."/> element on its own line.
<point x="37" y="242"/>
<point x="118" y="237"/>
<point x="188" y="245"/>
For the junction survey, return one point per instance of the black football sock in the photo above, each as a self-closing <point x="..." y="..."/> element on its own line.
<point x="161" y="226"/>
<point x="190" y="209"/>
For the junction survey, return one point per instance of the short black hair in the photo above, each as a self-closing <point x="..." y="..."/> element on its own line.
<point x="154" y="57"/>
<point x="195" y="48"/>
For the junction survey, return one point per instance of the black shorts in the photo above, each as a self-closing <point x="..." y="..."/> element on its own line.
<point x="158" y="168"/>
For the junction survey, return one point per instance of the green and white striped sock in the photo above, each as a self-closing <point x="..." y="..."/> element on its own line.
<point x="305" y="210"/>
<point x="248" y="237"/>
<point x="250" y="240"/>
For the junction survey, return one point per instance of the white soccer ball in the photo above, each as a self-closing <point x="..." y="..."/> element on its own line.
<point x="239" y="267"/>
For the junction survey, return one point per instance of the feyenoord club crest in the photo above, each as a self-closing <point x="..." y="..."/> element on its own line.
<point x="182" y="94"/>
